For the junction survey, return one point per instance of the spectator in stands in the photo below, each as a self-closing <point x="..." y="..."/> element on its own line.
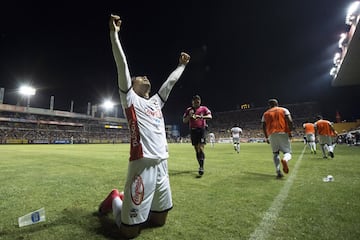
<point x="309" y="130"/>
<point x="325" y="131"/>
<point x="277" y="124"/>
<point x="196" y="116"/>
<point x="147" y="194"/>
<point x="236" y="131"/>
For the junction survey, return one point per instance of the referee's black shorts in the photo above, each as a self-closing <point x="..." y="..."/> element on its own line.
<point x="198" y="136"/>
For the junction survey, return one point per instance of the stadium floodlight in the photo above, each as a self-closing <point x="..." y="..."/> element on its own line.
<point x="27" y="91"/>
<point x="108" y="105"/>
<point x="333" y="71"/>
<point x="337" y="59"/>
<point x="343" y="42"/>
<point x="353" y="13"/>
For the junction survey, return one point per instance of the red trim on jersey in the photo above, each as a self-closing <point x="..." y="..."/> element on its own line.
<point x="136" y="151"/>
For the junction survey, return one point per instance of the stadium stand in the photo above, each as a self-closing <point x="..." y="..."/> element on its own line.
<point x="249" y="120"/>
<point x="27" y="125"/>
<point x="24" y="125"/>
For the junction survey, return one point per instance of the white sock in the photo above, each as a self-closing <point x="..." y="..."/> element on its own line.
<point x="314" y="146"/>
<point x="327" y="148"/>
<point x="117" y="206"/>
<point x="287" y="156"/>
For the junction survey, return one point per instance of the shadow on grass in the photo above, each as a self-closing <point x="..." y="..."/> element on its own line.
<point x="190" y="173"/>
<point x="110" y="230"/>
<point x="86" y="220"/>
<point x="27" y="230"/>
<point x="107" y="228"/>
<point x="71" y="217"/>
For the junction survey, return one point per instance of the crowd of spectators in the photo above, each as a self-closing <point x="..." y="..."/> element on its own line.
<point x="24" y="127"/>
<point x="249" y="120"/>
<point x="31" y="128"/>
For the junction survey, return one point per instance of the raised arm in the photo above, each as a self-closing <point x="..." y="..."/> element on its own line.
<point x="124" y="78"/>
<point x="166" y="87"/>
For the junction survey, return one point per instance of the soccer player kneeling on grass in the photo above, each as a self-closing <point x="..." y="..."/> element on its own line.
<point x="147" y="195"/>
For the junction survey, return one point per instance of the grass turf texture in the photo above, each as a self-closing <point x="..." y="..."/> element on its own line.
<point x="228" y="202"/>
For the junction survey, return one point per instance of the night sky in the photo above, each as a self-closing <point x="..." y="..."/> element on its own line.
<point x="242" y="52"/>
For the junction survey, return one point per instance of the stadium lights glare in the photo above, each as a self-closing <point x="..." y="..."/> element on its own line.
<point x="333" y="71"/>
<point x="353" y="13"/>
<point x="352" y="18"/>
<point x="343" y="40"/>
<point x="27" y="90"/>
<point x="337" y="59"/>
<point x="108" y="104"/>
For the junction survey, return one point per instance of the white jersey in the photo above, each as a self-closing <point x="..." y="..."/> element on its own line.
<point x="147" y="128"/>
<point x="212" y="137"/>
<point x="145" y="119"/>
<point x="236" y="132"/>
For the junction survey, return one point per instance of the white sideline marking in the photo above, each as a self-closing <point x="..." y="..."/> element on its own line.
<point x="270" y="216"/>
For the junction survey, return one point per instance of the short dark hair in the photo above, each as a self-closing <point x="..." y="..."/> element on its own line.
<point x="273" y="102"/>
<point x="196" y="97"/>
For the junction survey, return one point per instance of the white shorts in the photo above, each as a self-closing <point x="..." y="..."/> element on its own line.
<point x="280" y="142"/>
<point x="310" y="137"/>
<point x="236" y="140"/>
<point x="325" y="139"/>
<point x="147" y="188"/>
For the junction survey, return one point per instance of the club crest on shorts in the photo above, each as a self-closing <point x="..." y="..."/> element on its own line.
<point x="137" y="190"/>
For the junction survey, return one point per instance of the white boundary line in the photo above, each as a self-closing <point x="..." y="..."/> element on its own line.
<point x="270" y="216"/>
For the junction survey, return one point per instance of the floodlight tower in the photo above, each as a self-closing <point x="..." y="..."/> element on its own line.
<point x="27" y="91"/>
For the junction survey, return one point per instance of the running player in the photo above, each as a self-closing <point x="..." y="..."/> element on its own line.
<point x="277" y="125"/>
<point x="236" y="131"/>
<point x="196" y="116"/>
<point x="309" y="130"/>
<point x="324" y="129"/>
<point x="212" y="139"/>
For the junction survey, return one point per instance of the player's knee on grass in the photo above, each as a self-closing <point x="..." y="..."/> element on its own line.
<point x="157" y="219"/>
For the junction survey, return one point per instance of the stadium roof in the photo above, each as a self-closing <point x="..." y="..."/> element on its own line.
<point x="348" y="72"/>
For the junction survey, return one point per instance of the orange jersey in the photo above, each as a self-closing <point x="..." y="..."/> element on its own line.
<point x="309" y="128"/>
<point x="324" y="127"/>
<point x="275" y="120"/>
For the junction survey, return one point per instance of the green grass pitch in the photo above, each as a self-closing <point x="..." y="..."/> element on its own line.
<point x="237" y="198"/>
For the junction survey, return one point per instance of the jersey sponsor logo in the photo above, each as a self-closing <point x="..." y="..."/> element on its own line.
<point x="133" y="213"/>
<point x="153" y="112"/>
<point x="135" y="146"/>
<point x="137" y="190"/>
